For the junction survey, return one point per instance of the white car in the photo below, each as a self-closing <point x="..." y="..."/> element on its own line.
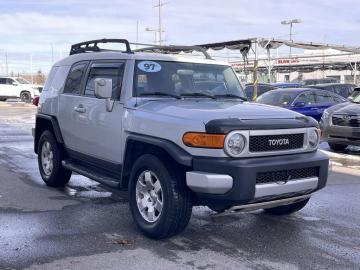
<point x="17" y="87"/>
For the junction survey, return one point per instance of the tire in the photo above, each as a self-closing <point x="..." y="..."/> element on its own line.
<point x="337" y="147"/>
<point x="176" y="207"/>
<point x="50" y="156"/>
<point x="25" y="97"/>
<point x="287" y="209"/>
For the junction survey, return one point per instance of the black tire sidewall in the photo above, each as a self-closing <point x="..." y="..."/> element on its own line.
<point x="152" y="163"/>
<point x="57" y="166"/>
<point x="28" y="99"/>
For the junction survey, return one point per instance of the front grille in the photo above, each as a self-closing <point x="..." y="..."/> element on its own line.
<point x="286" y="175"/>
<point x="346" y="120"/>
<point x="267" y="143"/>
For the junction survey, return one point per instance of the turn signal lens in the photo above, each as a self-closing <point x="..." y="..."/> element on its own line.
<point x="204" y="140"/>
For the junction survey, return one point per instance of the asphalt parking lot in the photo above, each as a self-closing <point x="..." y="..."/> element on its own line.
<point x="85" y="226"/>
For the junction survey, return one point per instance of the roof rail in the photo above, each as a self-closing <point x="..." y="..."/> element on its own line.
<point x="174" y="49"/>
<point x="92" y="46"/>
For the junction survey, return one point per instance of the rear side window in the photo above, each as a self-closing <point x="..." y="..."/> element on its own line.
<point x="322" y="98"/>
<point x="50" y="78"/>
<point x="113" y="71"/>
<point x="74" y="79"/>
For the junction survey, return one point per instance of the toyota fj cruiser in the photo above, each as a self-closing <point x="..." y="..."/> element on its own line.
<point x="176" y="131"/>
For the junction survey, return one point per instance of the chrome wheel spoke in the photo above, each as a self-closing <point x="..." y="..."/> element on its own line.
<point x="149" y="196"/>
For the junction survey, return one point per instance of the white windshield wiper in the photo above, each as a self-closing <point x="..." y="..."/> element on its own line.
<point x="158" y="93"/>
<point x="197" y="94"/>
<point x="232" y="96"/>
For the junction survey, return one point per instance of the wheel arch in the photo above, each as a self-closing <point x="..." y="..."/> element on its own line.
<point x="46" y="122"/>
<point x="137" y="145"/>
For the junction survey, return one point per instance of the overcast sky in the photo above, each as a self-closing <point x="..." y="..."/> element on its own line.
<point x="29" y="27"/>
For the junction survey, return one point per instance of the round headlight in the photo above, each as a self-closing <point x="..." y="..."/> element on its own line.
<point x="314" y="138"/>
<point x="234" y="144"/>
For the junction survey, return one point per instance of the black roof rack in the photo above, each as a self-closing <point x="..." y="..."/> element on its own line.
<point x="92" y="46"/>
<point x="174" y="49"/>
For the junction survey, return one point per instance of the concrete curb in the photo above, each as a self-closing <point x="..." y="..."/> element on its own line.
<point x="349" y="158"/>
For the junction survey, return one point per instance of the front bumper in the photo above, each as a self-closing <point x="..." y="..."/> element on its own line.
<point x="341" y="134"/>
<point x="235" y="179"/>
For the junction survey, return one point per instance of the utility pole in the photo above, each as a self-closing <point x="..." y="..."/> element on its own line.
<point x="52" y="52"/>
<point x="291" y="22"/>
<point x="31" y="68"/>
<point x="160" y="28"/>
<point x="6" y="64"/>
<point x="137" y="33"/>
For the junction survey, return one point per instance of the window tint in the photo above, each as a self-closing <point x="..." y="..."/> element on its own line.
<point x="342" y="90"/>
<point x="9" y="81"/>
<point x="107" y="71"/>
<point x="308" y="98"/>
<point x="73" y="81"/>
<point x="2" y="80"/>
<point x="322" y="97"/>
<point x="50" y="78"/>
<point x="185" y="79"/>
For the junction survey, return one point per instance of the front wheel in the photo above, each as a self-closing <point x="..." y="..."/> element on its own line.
<point x="50" y="161"/>
<point x="160" y="201"/>
<point x="287" y="209"/>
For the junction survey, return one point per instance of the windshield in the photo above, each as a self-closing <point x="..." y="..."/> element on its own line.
<point x="179" y="79"/>
<point x="356" y="98"/>
<point x="22" y="81"/>
<point x="277" y="98"/>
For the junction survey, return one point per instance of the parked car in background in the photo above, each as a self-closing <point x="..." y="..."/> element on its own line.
<point x="262" y="88"/>
<point x="17" y="87"/>
<point x="342" y="89"/>
<point x="354" y="94"/>
<point x="307" y="101"/>
<point x="340" y="124"/>
<point x="287" y="85"/>
<point x="319" y="81"/>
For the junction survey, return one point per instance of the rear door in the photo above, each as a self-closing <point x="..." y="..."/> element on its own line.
<point x="90" y="131"/>
<point x="324" y="100"/>
<point x="308" y="98"/>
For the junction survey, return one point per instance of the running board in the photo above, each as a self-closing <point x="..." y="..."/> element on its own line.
<point x="92" y="174"/>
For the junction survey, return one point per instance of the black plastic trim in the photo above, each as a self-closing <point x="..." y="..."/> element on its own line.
<point x="176" y="152"/>
<point x="226" y="125"/>
<point x="244" y="171"/>
<point x="106" y="167"/>
<point x="55" y="126"/>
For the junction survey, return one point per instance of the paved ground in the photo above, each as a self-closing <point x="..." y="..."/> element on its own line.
<point x="85" y="226"/>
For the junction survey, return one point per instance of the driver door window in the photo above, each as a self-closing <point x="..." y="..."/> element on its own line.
<point x="308" y="98"/>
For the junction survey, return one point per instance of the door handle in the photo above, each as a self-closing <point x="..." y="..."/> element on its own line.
<point x="315" y="109"/>
<point x="80" y="109"/>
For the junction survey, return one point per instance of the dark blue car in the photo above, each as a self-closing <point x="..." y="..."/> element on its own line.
<point x="307" y="101"/>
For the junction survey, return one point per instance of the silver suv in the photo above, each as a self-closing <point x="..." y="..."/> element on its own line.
<point x="175" y="131"/>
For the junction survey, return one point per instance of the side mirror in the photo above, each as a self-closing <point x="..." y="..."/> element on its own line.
<point x="15" y="83"/>
<point x="299" y="104"/>
<point x="103" y="90"/>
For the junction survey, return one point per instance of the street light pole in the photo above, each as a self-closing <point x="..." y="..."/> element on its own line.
<point x="291" y="22"/>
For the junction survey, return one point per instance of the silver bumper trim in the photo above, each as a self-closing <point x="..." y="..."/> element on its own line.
<point x="269" y="204"/>
<point x="209" y="182"/>
<point x="292" y="186"/>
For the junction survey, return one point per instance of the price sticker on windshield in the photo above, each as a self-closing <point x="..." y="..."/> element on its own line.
<point x="149" y="66"/>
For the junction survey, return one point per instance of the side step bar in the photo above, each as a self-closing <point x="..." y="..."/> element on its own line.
<point x="92" y="174"/>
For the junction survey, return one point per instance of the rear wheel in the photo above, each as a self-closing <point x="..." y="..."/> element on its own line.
<point x="287" y="209"/>
<point x="160" y="201"/>
<point x="50" y="161"/>
<point x="25" y="97"/>
<point x="337" y="147"/>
